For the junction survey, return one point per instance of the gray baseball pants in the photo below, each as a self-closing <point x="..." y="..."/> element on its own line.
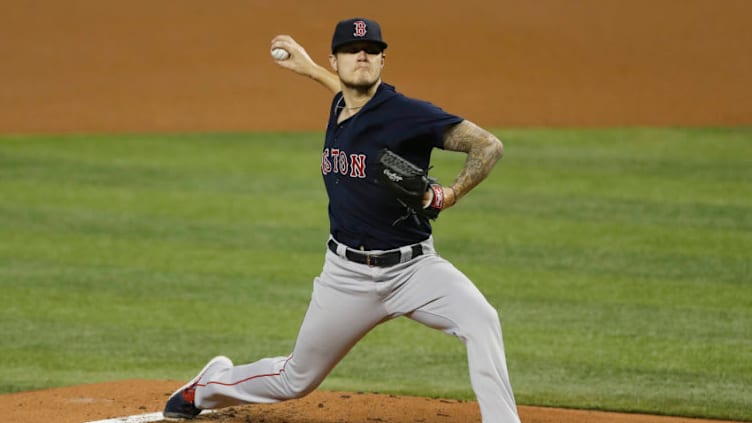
<point x="350" y="299"/>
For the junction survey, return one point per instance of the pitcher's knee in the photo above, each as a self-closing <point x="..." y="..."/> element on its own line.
<point x="484" y="318"/>
<point x="300" y="392"/>
<point x="301" y="387"/>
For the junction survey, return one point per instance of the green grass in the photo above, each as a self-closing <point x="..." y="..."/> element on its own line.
<point x="620" y="261"/>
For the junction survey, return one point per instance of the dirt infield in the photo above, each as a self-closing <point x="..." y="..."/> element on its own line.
<point x="197" y="65"/>
<point x="136" y="397"/>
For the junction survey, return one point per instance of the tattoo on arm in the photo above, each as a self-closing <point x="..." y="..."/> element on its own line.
<point x="483" y="151"/>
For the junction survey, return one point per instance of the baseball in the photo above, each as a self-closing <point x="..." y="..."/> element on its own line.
<point x="280" y="54"/>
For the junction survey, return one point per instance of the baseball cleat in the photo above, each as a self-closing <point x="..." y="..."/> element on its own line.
<point x="181" y="404"/>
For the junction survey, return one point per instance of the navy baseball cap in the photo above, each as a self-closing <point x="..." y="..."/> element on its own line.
<point x="355" y="30"/>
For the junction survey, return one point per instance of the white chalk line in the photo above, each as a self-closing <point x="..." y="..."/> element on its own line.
<point x="140" y="418"/>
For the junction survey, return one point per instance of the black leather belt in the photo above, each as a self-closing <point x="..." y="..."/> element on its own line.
<point x="379" y="260"/>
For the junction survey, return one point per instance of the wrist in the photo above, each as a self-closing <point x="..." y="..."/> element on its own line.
<point x="439" y="197"/>
<point x="450" y="196"/>
<point x="314" y="72"/>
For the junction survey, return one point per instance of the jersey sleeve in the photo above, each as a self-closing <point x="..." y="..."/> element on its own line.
<point x="421" y="119"/>
<point x="438" y="122"/>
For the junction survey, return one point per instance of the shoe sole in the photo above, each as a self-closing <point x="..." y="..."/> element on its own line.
<point x="195" y="380"/>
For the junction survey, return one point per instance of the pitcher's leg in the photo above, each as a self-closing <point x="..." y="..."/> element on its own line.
<point x="443" y="298"/>
<point x="335" y="321"/>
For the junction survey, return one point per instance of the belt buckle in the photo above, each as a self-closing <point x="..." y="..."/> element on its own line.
<point x="368" y="260"/>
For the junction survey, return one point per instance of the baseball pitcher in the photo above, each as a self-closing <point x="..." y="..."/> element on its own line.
<point x="380" y="261"/>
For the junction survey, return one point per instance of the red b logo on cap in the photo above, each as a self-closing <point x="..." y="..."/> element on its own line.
<point x="360" y="29"/>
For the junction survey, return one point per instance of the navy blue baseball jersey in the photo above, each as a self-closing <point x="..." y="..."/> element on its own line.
<point x="362" y="212"/>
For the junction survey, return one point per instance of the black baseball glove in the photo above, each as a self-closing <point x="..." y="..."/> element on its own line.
<point x="410" y="183"/>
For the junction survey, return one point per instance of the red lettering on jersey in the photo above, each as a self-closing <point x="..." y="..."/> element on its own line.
<point x="342" y="162"/>
<point x="334" y="155"/>
<point x="326" y="165"/>
<point x="360" y="29"/>
<point x="358" y="165"/>
<point x="336" y="160"/>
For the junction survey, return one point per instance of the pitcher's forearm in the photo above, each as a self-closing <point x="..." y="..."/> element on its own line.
<point x="328" y="79"/>
<point x="483" y="151"/>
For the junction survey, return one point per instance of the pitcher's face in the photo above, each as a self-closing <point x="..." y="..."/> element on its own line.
<point x="358" y="65"/>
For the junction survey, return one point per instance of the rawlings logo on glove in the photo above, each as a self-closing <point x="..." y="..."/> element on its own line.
<point x="409" y="183"/>
<point x="392" y="176"/>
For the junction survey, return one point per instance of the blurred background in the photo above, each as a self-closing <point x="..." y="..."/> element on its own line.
<point x="194" y="65"/>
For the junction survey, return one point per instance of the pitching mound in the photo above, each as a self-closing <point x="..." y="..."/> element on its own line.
<point x="86" y="403"/>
